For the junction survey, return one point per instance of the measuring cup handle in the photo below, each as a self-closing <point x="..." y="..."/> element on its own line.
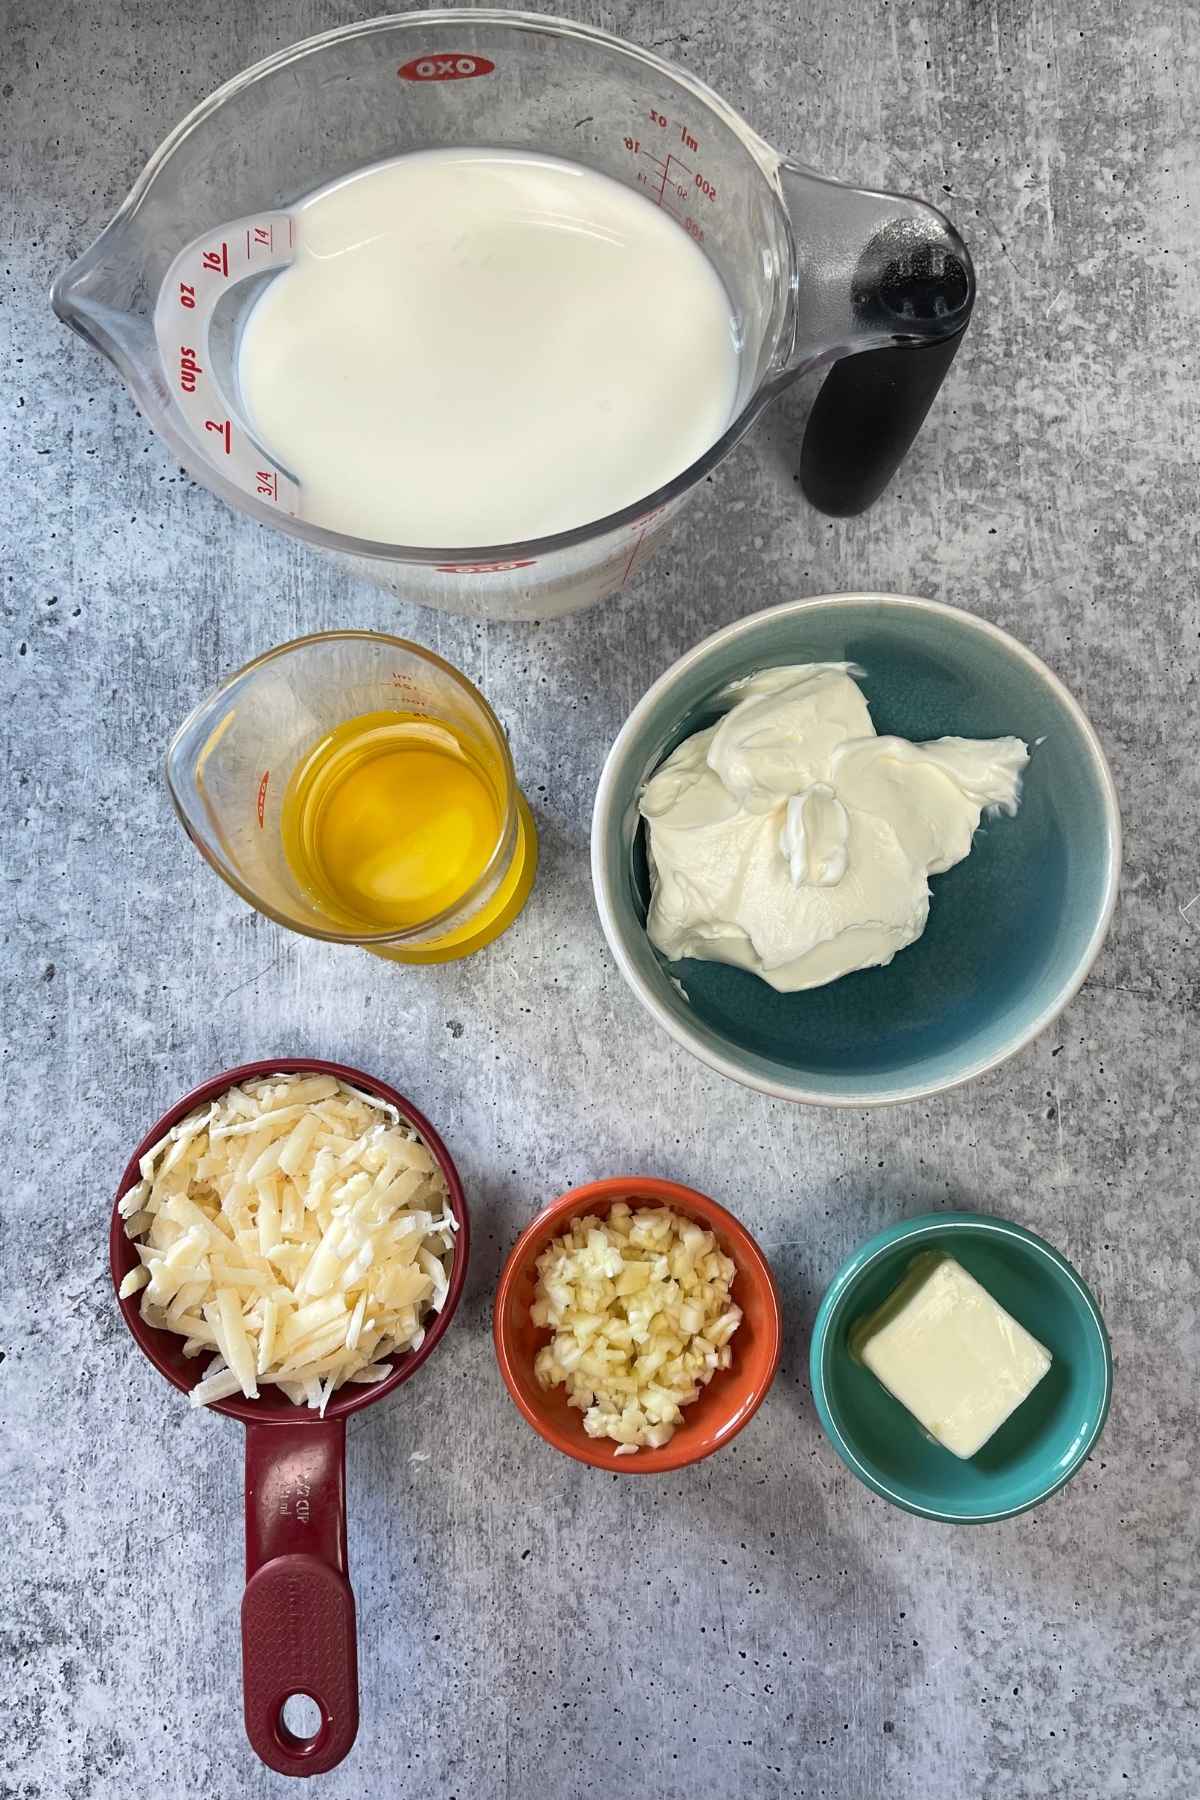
<point x="298" y="1622"/>
<point x="884" y="288"/>
<point x="864" y="419"/>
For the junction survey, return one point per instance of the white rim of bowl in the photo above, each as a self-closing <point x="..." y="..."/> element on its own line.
<point x="602" y="882"/>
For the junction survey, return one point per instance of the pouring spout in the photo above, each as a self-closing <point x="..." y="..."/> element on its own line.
<point x="104" y="297"/>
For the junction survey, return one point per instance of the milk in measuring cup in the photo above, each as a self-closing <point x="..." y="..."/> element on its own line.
<point x="474" y="347"/>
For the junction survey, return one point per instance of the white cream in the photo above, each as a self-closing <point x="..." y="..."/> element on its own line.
<point x="479" y="346"/>
<point x="791" y="840"/>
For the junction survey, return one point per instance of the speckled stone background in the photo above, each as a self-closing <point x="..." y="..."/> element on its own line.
<point x="760" y="1625"/>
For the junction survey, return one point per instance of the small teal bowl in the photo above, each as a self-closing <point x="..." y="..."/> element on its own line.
<point x="1012" y="931"/>
<point x="1038" y="1449"/>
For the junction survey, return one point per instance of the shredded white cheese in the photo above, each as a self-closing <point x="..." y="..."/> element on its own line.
<point x="295" y="1232"/>
<point x="639" y="1305"/>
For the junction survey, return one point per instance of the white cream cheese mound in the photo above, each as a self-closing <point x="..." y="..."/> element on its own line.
<point x="791" y="840"/>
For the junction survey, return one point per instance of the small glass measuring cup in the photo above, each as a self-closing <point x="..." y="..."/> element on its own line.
<point x="299" y="1633"/>
<point x="816" y="272"/>
<point x="230" y="762"/>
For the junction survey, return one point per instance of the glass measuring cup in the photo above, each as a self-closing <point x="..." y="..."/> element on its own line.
<point x="816" y="272"/>
<point x="230" y="763"/>
<point x="299" y="1631"/>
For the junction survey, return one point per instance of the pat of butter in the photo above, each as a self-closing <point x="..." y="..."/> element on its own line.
<point x="950" y="1353"/>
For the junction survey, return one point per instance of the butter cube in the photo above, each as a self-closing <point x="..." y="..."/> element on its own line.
<point x="950" y="1353"/>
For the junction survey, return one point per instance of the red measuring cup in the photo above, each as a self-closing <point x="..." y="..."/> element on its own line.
<point x="298" y="1620"/>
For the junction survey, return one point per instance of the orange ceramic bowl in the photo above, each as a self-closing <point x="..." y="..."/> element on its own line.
<point x="733" y="1395"/>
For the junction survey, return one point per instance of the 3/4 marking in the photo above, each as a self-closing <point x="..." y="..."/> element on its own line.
<point x="262" y="798"/>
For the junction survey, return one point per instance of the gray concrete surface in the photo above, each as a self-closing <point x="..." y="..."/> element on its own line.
<point x="760" y="1625"/>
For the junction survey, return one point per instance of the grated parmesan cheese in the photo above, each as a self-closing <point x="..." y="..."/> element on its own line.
<point x="640" y="1310"/>
<point x="295" y="1233"/>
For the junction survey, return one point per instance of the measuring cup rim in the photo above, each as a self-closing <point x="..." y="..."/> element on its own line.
<point x="455" y="558"/>
<point x="152" y="1340"/>
<point x="415" y="935"/>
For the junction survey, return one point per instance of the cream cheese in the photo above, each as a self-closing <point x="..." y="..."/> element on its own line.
<point x="791" y="840"/>
<point x="950" y="1353"/>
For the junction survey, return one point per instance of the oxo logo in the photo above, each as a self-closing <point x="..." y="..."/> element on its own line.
<point x="444" y="68"/>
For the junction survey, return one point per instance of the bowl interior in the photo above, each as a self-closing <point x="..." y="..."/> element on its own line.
<point x="1010" y="929"/>
<point x="165" y="1348"/>
<point x="723" y="1407"/>
<point x="1035" y="1450"/>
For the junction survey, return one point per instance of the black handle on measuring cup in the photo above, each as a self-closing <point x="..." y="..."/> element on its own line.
<point x="871" y="405"/>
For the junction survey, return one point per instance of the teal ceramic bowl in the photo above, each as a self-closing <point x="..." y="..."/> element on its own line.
<point x="1012" y="930"/>
<point x="1046" y="1439"/>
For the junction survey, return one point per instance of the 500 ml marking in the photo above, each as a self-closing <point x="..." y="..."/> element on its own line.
<point x="668" y="178"/>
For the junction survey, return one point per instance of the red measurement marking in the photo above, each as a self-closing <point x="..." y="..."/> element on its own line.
<point x="187" y="295"/>
<point x="667" y="176"/>
<point x="642" y="526"/>
<point x="289" y="231"/>
<point x="443" y="67"/>
<point x="264" y="237"/>
<point x="223" y="430"/>
<point x="671" y="171"/>
<point x="189" y="368"/>
<point x="268" y="483"/>
<point x="262" y="798"/>
<point x="496" y="568"/>
<point x="687" y="138"/>
<point x="637" y="544"/>
<point x="217" y="261"/>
